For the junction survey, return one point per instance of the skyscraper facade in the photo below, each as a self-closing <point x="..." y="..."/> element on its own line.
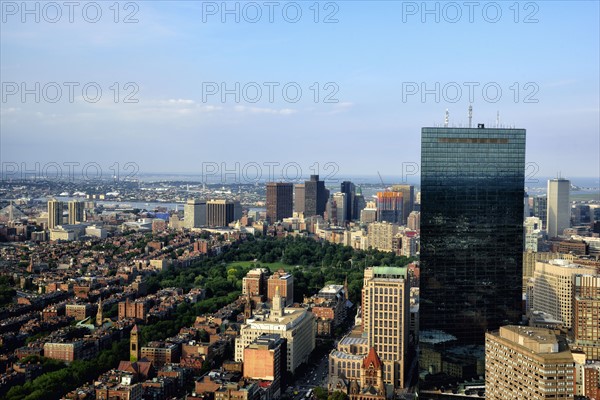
<point x="299" y="196"/>
<point x="76" y="211"/>
<point x="219" y="212"/>
<point x="315" y="196"/>
<point x="55" y="212"/>
<point x="280" y="201"/>
<point x="359" y="203"/>
<point x="408" y="200"/>
<point x="586" y="317"/>
<point x="341" y="203"/>
<point x="559" y="209"/>
<point x="386" y="311"/>
<point x="194" y="213"/>
<point x="472" y="188"/>
<point x="540" y="208"/>
<point x="390" y="207"/>
<point x="349" y="189"/>
<point x="523" y="362"/>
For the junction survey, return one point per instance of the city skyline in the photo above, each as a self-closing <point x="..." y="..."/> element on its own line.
<point x="179" y="51"/>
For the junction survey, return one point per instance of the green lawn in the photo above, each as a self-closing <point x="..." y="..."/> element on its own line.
<point x="273" y="266"/>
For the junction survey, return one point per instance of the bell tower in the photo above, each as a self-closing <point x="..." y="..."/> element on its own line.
<point x="134" y="345"/>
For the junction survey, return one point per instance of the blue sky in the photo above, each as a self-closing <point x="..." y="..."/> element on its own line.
<point x="371" y="57"/>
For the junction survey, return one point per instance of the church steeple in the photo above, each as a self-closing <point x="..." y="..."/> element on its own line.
<point x="248" y="307"/>
<point x="134" y="348"/>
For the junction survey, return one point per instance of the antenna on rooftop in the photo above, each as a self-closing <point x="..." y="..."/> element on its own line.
<point x="447" y="119"/>
<point x="497" y="119"/>
<point x="470" y="114"/>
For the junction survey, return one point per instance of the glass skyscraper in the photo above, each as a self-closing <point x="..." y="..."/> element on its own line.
<point x="472" y="188"/>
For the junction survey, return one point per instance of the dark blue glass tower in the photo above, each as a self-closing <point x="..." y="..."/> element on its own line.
<point x="472" y="188"/>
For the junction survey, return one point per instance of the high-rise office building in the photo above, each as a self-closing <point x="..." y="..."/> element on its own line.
<point x="472" y="188"/>
<point x="219" y="212"/>
<point x="349" y="189"/>
<point x="76" y="212"/>
<point x="341" y="211"/>
<point x="359" y="203"/>
<point x="586" y="315"/>
<point x="315" y="196"/>
<point x="559" y="208"/>
<point x="386" y="316"/>
<point x="414" y="221"/>
<point x="408" y="202"/>
<point x="280" y="201"/>
<point x="194" y="213"/>
<point x="390" y="207"/>
<point x="55" y="213"/>
<point x="540" y="209"/>
<point x="523" y="362"/>
<point x="299" y="196"/>
<point x="553" y="287"/>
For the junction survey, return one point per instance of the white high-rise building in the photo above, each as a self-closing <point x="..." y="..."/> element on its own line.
<point x="194" y="213"/>
<point x="559" y="209"/>
<point x="553" y="287"/>
<point x="340" y="203"/>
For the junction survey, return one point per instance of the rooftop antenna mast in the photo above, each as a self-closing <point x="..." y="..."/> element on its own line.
<point x="447" y="119"/>
<point x="470" y="115"/>
<point x="497" y="119"/>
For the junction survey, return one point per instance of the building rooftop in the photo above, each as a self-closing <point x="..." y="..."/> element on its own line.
<point x="347" y="356"/>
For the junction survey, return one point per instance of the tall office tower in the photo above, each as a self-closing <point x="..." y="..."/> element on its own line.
<point x="76" y="212"/>
<point x="386" y="317"/>
<point x="55" y="213"/>
<point x="331" y="211"/>
<point x="540" y="209"/>
<point x="359" y="203"/>
<point x="389" y="207"/>
<point x="315" y="196"/>
<point x="472" y="185"/>
<point x="299" y="197"/>
<point x="194" y="213"/>
<point x="526" y="209"/>
<point x="369" y="213"/>
<point x="586" y="317"/>
<point x="533" y="233"/>
<point x="414" y="221"/>
<point x="408" y="203"/>
<point x="238" y="212"/>
<point x="559" y="208"/>
<point x="219" y="212"/>
<point x="341" y="205"/>
<point x="280" y="201"/>
<point x="523" y="362"/>
<point x="553" y="287"/>
<point x="350" y="190"/>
